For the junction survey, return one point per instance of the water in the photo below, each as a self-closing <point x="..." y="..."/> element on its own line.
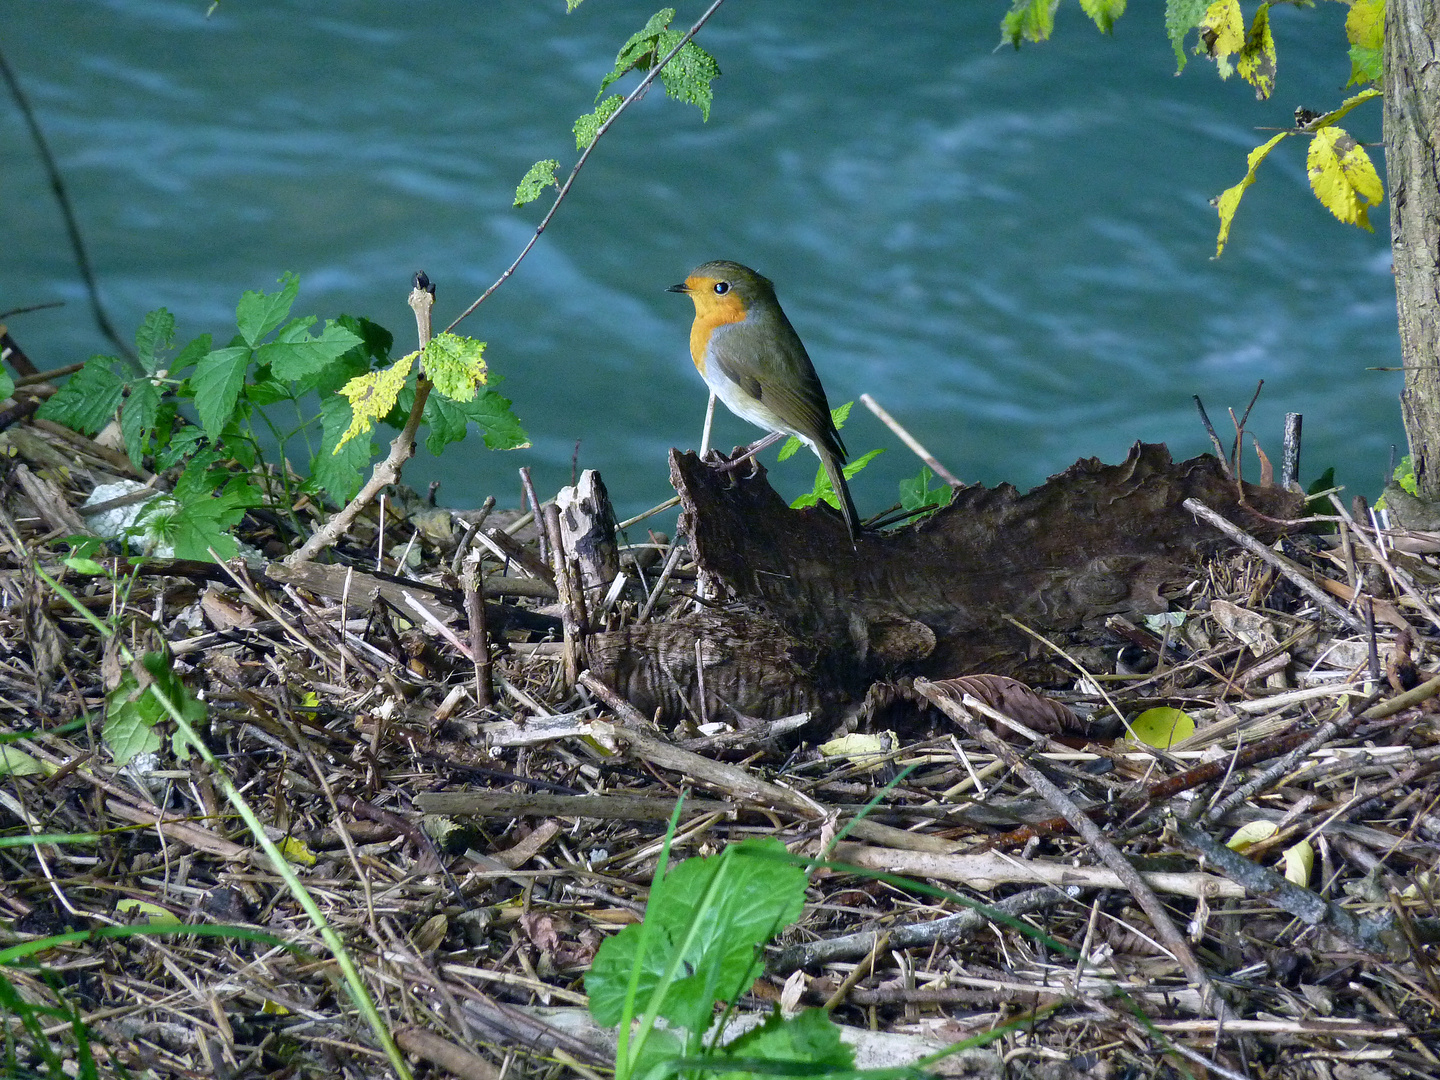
<point x="1011" y="251"/>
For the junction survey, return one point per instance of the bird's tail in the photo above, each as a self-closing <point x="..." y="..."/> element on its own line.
<point x="842" y="490"/>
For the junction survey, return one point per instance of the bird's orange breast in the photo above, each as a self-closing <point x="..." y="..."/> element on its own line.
<point x="711" y="311"/>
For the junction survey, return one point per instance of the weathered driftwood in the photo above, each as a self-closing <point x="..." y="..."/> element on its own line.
<point x="809" y="620"/>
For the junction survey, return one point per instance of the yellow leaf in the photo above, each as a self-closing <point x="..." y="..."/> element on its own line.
<point x="1365" y="25"/>
<point x="1162" y="727"/>
<point x="1229" y="200"/>
<point x="373" y="395"/>
<point x="1247" y="836"/>
<point x="1342" y="176"/>
<point x="456" y="365"/>
<point x="15" y="762"/>
<point x="296" y="851"/>
<point x="1222" y="32"/>
<point x="1257" y="59"/>
<point x="1299" y="860"/>
<point x="153" y="914"/>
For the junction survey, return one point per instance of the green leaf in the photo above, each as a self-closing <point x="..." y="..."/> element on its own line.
<point x="137" y="418"/>
<point x="640" y="50"/>
<point x="156" y="334"/>
<point x="688" y="75"/>
<point x="259" y="313"/>
<point x="810" y="1037"/>
<point x="1162" y="727"/>
<point x="540" y="176"/>
<point x="1104" y="12"/>
<point x="1366" y="65"/>
<point x="216" y="383"/>
<point x="589" y="125"/>
<point x="823" y="489"/>
<point x="296" y="354"/>
<point x="1182" y="16"/>
<point x="7" y="384"/>
<point x="182" y="443"/>
<point x="339" y="474"/>
<point x="706" y="919"/>
<point x="88" y="399"/>
<point x="190" y="355"/>
<point x="15" y="762"/>
<point x="456" y="365"/>
<point x="448" y="421"/>
<point x="916" y="492"/>
<point x="1365" y="24"/>
<point x="1028" y="20"/>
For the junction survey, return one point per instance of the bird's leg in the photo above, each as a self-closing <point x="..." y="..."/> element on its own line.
<point x="750" y="451"/>
<point x="709" y="423"/>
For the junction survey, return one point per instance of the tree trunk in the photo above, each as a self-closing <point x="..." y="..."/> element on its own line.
<point x="1412" y="120"/>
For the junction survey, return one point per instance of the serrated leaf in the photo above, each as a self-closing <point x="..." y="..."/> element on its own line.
<point x="216" y="383"/>
<point x="336" y="468"/>
<point x="1342" y="176"/>
<point x="1229" y="200"/>
<point x="1103" y="13"/>
<point x="190" y="355"/>
<point x="688" y="75"/>
<point x="297" y="354"/>
<point x="1222" y="34"/>
<point x="916" y="491"/>
<point x="448" y="421"/>
<point x="373" y="395"/>
<point x="456" y="365"/>
<point x="540" y="176"/>
<point x="259" y="313"/>
<point x="137" y="418"/>
<point x="1365" y="24"/>
<point x="88" y="399"/>
<point x="640" y="49"/>
<point x="156" y="333"/>
<point x="1257" y="59"/>
<point x="1163" y="727"/>
<point x="589" y="125"/>
<point x="1182" y="16"/>
<point x="1028" y="20"/>
<point x="1366" y="65"/>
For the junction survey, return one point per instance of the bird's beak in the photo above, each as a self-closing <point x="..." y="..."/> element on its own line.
<point x="682" y="287"/>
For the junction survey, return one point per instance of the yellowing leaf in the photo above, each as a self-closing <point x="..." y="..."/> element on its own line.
<point x="15" y="762"/>
<point x="1342" y="176"/>
<point x="296" y="851"/>
<point x="1299" y="860"/>
<point x="456" y="365"/>
<point x="1229" y="200"/>
<point x="373" y="395"/>
<point x="1162" y="727"/>
<point x="873" y="749"/>
<point x="1222" y="32"/>
<point x="1257" y="58"/>
<point x="153" y="914"/>
<point x="1247" y="836"/>
<point x="1365" y="25"/>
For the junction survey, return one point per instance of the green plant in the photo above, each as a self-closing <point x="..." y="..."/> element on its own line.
<point x="822" y="489"/>
<point x="916" y="493"/>
<point x="196" y="412"/>
<point x="699" y="945"/>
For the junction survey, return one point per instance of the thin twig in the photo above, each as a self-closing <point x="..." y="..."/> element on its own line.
<point x="632" y="97"/>
<point x="913" y="443"/>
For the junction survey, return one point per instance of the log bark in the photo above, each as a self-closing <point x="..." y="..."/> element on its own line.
<point x="1412" y="121"/>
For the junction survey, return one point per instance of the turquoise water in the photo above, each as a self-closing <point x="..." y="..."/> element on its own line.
<point x="1011" y="251"/>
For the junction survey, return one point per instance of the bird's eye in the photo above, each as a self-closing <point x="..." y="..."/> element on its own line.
<point x="721" y="288"/>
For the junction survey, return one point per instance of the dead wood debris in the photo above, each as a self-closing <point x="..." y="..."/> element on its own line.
<point x="342" y="700"/>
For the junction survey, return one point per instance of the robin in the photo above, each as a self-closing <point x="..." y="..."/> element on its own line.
<point x="746" y="349"/>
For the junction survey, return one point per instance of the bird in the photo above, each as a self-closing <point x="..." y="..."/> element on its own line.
<point x="746" y="350"/>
